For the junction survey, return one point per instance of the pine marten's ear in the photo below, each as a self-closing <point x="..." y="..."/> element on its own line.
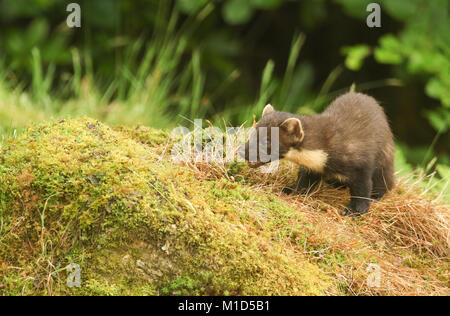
<point x="294" y="128"/>
<point x="268" y="109"/>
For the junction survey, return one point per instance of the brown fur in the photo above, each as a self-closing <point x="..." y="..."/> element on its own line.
<point x="354" y="136"/>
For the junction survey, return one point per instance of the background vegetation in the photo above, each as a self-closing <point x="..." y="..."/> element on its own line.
<point x="103" y="193"/>
<point x="162" y="63"/>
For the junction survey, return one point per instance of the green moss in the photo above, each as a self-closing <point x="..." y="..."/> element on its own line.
<point x="235" y="169"/>
<point x="104" y="198"/>
<point x="145" y="135"/>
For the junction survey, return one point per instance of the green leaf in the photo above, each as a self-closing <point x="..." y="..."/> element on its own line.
<point x="439" y="119"/>
<point x="237" y="11"/>
<point x="267" y="74"/>
<point x="355" y="56"/>
<point x="389" y="51"/>
<point x="437" y="89"/>
<point x="15" y="43"/>
<point x="444" y="171"/>
<point x="265" y="4"/>
<point x="389" y="41"/>
<point x="385" y="56"/>
<point x="191" y="6"/>
<point x="400" y="9"/>
<point x="355" y="8"/>
<point x="36" y="32"/>
<point x="267" y="86"/>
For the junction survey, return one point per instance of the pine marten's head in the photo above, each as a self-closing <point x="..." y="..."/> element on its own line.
<point x="274" y="135"/>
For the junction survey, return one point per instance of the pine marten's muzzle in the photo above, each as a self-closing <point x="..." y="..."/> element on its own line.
<point x="251" y="155"/>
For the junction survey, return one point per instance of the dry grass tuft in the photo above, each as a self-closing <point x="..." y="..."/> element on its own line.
<point x="413" y="222"/>
<point x="406" y="234"/>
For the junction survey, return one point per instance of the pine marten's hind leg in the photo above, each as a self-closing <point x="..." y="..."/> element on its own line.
<point x="306" y="181"/>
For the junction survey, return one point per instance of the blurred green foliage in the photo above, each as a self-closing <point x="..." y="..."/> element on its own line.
<point x="233" y="11"/>
<point x="421" y="48"/>
<point x="166" y="62"/>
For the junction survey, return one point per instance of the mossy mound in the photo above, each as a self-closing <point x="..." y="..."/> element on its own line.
<point x="77" y="191"/>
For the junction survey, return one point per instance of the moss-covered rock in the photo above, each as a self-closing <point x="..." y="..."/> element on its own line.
<point x="107" y="199"/>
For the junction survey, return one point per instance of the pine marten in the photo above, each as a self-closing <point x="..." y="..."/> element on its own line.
<point x="349" y="144"/>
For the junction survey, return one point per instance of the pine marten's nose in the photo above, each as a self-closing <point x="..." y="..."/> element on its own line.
<point x="245" y="152"/>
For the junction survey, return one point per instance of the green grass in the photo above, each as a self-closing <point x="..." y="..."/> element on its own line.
<point x="114" y="214"/>
<point x="80" y="191"/>
<point x="157" y="83"/>
<point x="161" y="83"/>
<point x="112" y="201"/>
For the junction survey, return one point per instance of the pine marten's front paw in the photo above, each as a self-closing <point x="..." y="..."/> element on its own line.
<point x="337" y="184"/>
<point x="288" y="190"/>
<point x="302" y="187"/>
<point x="348" y="211"/>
